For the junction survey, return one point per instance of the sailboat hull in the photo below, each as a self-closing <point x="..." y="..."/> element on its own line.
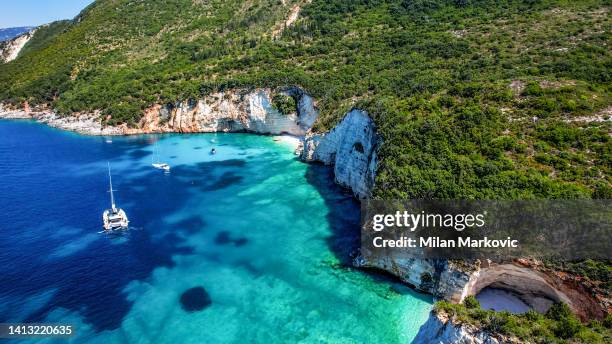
<point x="115" y="219"/>
<point x="155" y="160"/>
<point x="164" y="167"/>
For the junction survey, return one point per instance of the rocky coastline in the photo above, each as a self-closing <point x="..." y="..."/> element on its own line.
<point x="351" y="149"/>
<point x="441" y="329"/>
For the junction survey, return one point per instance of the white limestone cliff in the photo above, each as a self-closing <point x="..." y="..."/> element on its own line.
<point x="9" y="50"/>
<point x="442" y="278"/>
<point x="439" y="329"/>
<point x="351" y="148"/>
<point x="537" y="286"/>
<point x="231" y="111"/>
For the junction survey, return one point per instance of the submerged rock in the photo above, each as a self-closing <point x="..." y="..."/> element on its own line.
<point x="195" y="299"/>
<point x="225" y="238"/>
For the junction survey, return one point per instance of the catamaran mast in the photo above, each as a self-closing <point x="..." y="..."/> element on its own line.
<point x="155" y="152"/>
<point x="110" y="181"/>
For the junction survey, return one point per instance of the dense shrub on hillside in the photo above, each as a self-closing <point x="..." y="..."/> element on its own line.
<point x="45" y="36"/>
<point x="472" y="98"/>
<point x="283" y="103"/>
<point x="557" y="326"/>
<point x="471" y="302"/>
<point x="593" y="270"/>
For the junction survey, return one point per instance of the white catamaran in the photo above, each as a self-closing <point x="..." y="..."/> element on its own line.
<point x="155" y="160"/>
<point x="114" y="218"/>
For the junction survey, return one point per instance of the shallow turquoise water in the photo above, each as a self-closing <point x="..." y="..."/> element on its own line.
<point x="263" y="233"/>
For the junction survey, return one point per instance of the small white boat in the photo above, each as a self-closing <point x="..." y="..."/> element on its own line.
<point x="114" y="218"/>
<point x="156" y="163"/>
<point x="161" y="166"/>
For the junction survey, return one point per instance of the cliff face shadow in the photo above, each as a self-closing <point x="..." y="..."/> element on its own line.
<point x="344" y="215"/>
<point x="345" y="223"/>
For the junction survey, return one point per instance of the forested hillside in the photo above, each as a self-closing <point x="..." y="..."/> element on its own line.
<point x="472" y="98"/>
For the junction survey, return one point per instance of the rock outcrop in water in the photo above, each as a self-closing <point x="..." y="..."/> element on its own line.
<point x="439" y="329"/>
<point x="351" y="148"/>
<point x="83" y="123"/>
<point x="9" y="50"/>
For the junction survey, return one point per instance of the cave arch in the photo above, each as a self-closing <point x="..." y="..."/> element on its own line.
<point x="529" y="285"/>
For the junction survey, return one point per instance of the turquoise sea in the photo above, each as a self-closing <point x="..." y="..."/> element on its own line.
<point x="263" y="238"/>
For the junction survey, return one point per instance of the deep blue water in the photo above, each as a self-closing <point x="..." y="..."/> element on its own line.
<point x="266" y="236"/>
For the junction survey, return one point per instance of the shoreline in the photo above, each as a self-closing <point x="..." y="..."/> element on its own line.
<point x="43" y="119"/>
<point x="269" y="182"/>
<point x="297" y="143"/>
<point x="292" y="141"/>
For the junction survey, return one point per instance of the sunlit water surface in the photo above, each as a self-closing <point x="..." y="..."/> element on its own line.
<point x="264" y="234"/>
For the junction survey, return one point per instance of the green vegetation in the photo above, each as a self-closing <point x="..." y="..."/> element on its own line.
<point x="598" y="272"/>
<point x="473" y="99"/>
<point x="558" y="325"/>
<point x="45" y="35"/>
<point x="283" y="103"/>
<point x="471" y="302"/>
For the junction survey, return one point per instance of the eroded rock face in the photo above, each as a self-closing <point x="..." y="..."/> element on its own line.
<point x="530" y="285"/>
<point x="351" y="148"/>
<point x="452" y="279"/>
<point x="439" y="329"/>
<point x="535" y="285"/>
<point x="441" y="278"/>
<point x="231" y="111"/>
<point x="539" y="287"/>
<point x="9" y="50"/>
<point x="307" y="111"/>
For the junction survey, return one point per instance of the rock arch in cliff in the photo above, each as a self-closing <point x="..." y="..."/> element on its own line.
<point x="531" y="286"/>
